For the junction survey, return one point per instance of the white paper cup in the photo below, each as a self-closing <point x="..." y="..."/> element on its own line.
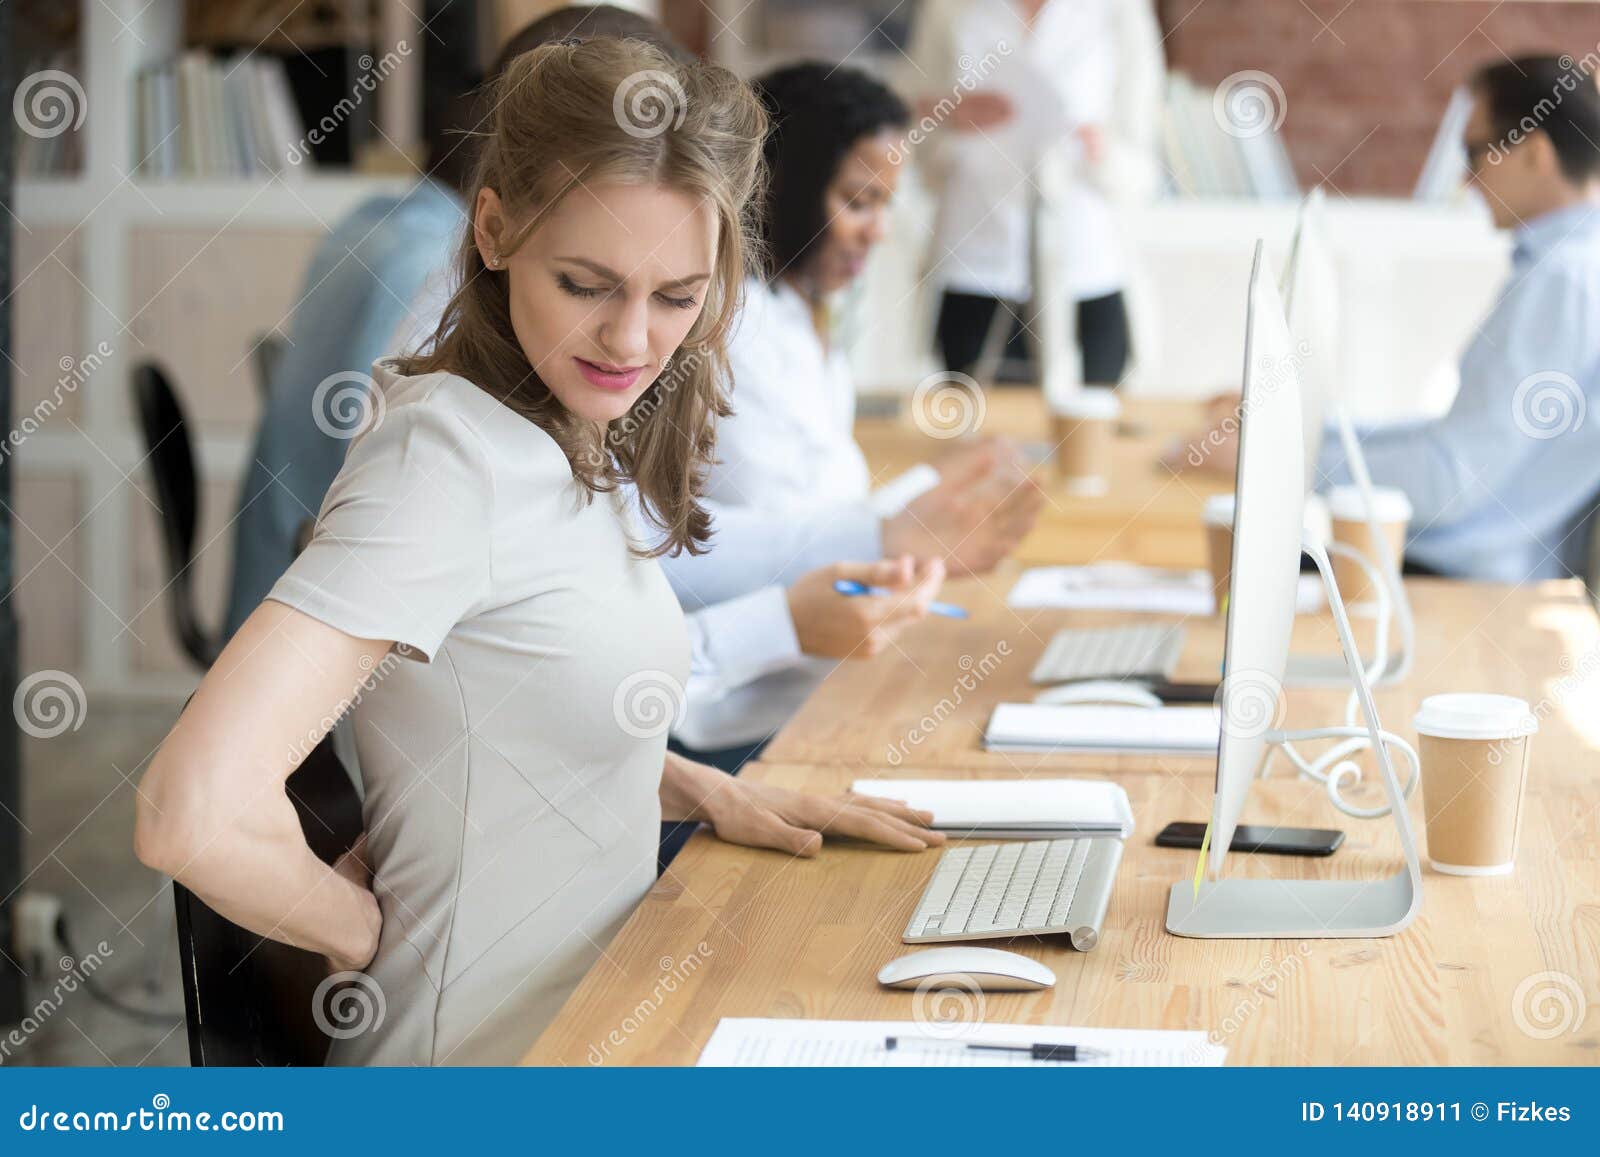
<point x="1474" y="750"/>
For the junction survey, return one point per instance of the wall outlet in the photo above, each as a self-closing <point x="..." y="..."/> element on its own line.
<point x="34" y="941"/>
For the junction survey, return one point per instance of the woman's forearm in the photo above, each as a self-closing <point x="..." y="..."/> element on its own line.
<point x="256" y="870"/>
<point x="213" y="808"/>
<point x="286" y="893"/>
<point x="689" y="790"/>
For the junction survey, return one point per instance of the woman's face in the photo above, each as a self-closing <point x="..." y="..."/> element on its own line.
<point x="605" y="289"/>
<point x="855" y="206"/>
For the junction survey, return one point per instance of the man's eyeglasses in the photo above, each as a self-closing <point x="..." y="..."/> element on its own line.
<point x="1478" y="152"/>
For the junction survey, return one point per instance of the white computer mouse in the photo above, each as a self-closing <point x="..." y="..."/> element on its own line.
<point x="989" y="969"/>
<point x="1099" y="691"/>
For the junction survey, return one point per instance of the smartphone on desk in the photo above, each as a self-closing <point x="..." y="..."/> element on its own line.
<point x="1250" y="838"/>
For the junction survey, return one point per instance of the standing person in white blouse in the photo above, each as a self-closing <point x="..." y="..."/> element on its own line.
<point x="1023" y="96"/>
<point x="476" y="598"/>
<point x="790" y="489"/>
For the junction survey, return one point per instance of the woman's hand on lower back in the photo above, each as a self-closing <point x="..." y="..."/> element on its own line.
<point x="356" y="866"/>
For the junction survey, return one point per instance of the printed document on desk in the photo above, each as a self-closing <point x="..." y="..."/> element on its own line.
<point x="748" y="1042"/>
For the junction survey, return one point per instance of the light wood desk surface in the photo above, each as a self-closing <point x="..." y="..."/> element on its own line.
<point x="731" y="932"/>
<point x="1480" y="978"/>
<point x="912" y="707"/>
<point x="735" y="932"/>
<point x="925" y="702"/>
<point x="1149" y="514"/>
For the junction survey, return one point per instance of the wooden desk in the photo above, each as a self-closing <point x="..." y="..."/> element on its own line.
<point x="735" y="932"/>
<point x="924" y="703"/>
<point x="730" y="932"/>
<point x="1148" y="514"/>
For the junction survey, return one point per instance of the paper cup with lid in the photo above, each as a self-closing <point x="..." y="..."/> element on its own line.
<point x="1084" y="422"/>
<point x="1347" y="513"/>
<point x="1217" y="515"/>
<point x="1474" y="750"/>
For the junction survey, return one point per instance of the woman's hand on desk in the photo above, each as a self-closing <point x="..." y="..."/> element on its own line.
<point x="831" y="626"/>
<point x="983" y="506"/>
<point x="759" y="815"/>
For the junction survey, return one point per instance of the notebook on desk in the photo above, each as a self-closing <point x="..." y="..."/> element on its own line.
<point x="1110" y="730"/>
<point x="1009" y="809"/>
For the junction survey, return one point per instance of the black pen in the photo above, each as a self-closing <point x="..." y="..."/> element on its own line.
<point x="1038" y="1052"/>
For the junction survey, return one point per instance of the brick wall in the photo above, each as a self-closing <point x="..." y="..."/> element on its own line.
<point x="1365" y="81"/>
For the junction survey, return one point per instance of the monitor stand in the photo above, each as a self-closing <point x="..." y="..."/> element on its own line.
<point x="1315" y="909"/>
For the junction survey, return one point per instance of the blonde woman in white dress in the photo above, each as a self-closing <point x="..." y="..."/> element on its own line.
<point x="479" y="594"/>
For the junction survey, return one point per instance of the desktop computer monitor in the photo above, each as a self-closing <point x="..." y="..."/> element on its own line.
<point x="1310" y="289"/>
<point x="1269" y="504"/>
<point x="1269" y="500"/>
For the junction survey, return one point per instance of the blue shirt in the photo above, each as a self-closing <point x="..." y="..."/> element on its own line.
<point x="1504" y="485"/>
<point x="356" y="295"/>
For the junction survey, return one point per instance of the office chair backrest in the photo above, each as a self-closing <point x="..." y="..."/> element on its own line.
<point x="172" y="468"/>
<point x="249" y="1000"/>
<point x="267" y="355"/>
<point x="1591" y="562"/>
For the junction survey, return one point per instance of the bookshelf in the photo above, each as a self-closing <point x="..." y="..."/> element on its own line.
<point x="184" y="269"/>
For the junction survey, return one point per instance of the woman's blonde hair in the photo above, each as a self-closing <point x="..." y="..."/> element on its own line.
<point x="618" y="111"/>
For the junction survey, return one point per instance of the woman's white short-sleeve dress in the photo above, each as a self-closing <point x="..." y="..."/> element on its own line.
<point x="511" y="763"/>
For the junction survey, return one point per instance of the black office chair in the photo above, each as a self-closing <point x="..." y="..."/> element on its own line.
<point x="171" y="457"/>
<point x="248" y="1000"/>
<point x="1591" y="566"/>
<point x="268" y="353"/>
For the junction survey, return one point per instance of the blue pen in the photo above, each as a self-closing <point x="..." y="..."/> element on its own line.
<point x="851" y="587"/>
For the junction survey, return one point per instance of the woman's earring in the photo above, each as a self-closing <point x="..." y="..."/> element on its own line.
<point x="494" y="261"/>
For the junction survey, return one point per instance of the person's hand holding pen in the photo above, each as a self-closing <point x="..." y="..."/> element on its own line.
<point x="832" y="626"/>
<point x="982" y="508"/>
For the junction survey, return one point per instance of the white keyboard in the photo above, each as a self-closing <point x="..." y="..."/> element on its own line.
<point x="1147" y="651"/>
<point x="1027" y="888"/>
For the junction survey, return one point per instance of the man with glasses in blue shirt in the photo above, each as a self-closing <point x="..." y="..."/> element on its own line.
<point x="1504" y="485"/>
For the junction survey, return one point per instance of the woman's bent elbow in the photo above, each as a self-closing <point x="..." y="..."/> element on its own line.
<point x="155" y="840"/>
<point x="166" y="824"/>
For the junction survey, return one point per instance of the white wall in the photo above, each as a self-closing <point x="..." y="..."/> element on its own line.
<point x="1414" y="280"/>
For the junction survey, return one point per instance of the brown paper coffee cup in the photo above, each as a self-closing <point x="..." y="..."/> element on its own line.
<point x="1218" y="518"/>
<point x="1350" y="527"/>
<point x="1474" y="751"/>
<point x="1083" y="427"/>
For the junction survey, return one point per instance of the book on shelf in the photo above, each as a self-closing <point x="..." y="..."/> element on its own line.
<point x="47" y="110"/>
<point x="200" y="116"/>
<point x="1205" y="159"/>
